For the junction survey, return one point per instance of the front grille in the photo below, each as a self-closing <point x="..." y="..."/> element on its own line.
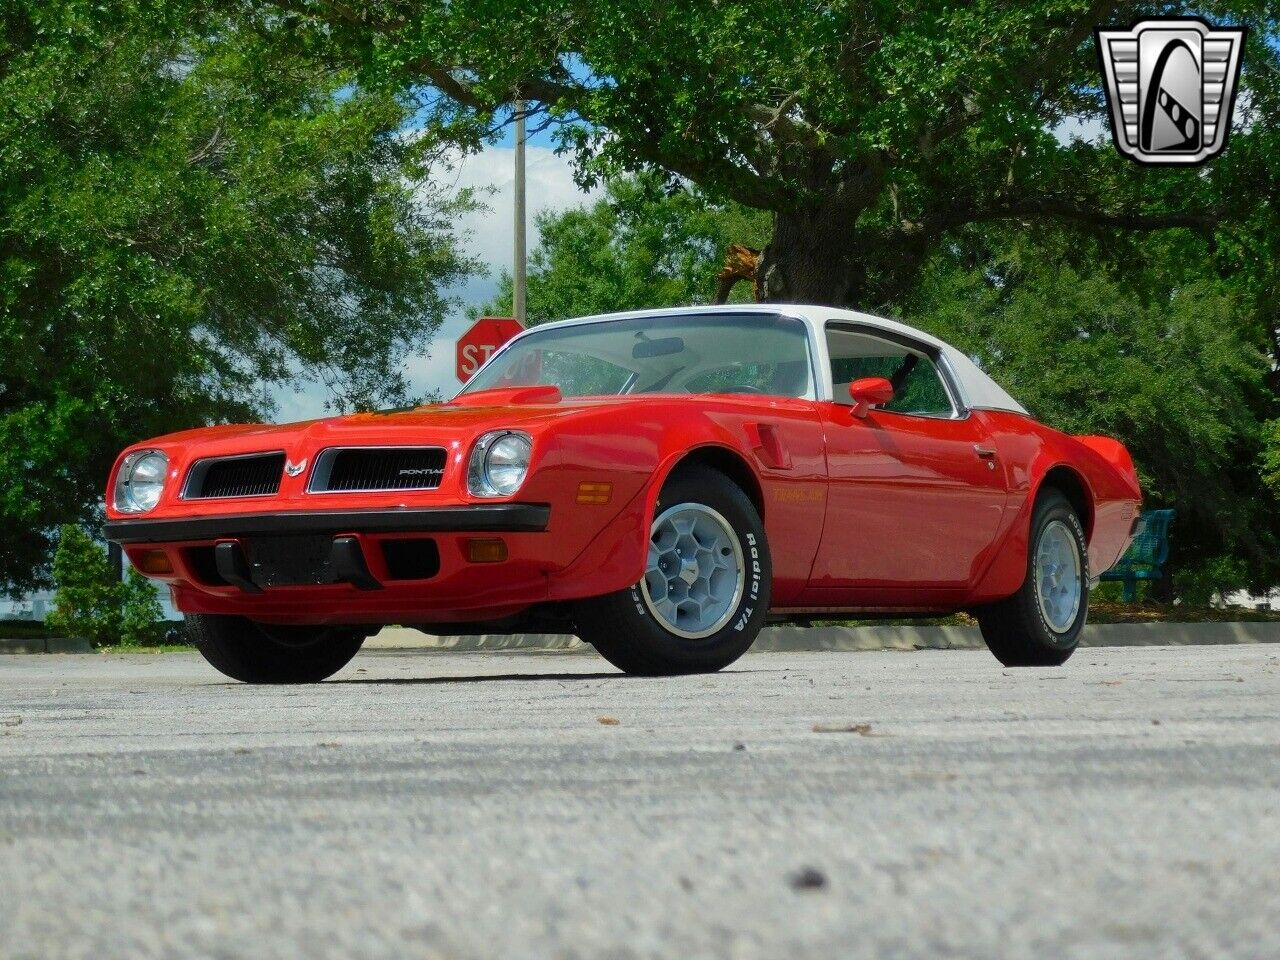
<point x="351" y="469"/>
<point x="255" y="475"/>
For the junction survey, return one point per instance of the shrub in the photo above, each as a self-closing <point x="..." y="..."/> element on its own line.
<point x="1209" y="582"/>
<point x="87" y="602"/>
<point x="141" y="616"/>
<point x="91" y="603"/>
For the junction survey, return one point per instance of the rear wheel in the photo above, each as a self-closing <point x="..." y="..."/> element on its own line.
<point x="706" y="587"/>
<point x="257" y="653"/>
<point x="1040" y="625"/>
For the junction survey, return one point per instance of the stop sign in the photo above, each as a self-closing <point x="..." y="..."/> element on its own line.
<point x="485" y="336"/>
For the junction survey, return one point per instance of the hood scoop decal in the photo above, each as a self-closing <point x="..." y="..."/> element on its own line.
<point x="508" y="396"/>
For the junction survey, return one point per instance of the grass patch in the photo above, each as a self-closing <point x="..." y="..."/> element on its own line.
<point x="1111" y="611"/>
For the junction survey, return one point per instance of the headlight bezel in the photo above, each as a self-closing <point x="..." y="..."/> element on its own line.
<point x="126" y="497"/>
<point x="480" y="481"/>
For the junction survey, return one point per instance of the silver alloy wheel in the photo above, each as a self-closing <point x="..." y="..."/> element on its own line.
<point x="1059" y="576"/>
<point x="695" y="575"/>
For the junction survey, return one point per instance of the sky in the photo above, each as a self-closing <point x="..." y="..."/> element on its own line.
<point x="488" y="235"/>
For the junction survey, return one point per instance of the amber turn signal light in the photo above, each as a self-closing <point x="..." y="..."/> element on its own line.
<point x="487" y="550"/>
<point x="154" y="562"/>
<point x="594" y="492"/>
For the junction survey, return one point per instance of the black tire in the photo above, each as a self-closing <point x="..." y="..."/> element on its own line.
<point x="1016" y="629"/>
<point x="256" y="653"/>
<point x="622" y="626"/>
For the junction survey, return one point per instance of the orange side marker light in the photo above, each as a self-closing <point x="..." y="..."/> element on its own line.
<point x="486" y="550"/>
<point x="589" y="492"/>
<point x="154" y="562"/>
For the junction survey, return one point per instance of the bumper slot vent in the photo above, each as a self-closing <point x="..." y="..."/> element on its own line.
<point x="204" y="567"/>
<point x="371" y="469"/>
<point x="254" y="475"/>
<point x="411" y="558"/>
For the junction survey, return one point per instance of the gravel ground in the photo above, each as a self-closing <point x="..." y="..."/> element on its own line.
<point x="819" y="805"/>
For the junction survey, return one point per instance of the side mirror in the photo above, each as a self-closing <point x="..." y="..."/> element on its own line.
<point x="869" y="392"/>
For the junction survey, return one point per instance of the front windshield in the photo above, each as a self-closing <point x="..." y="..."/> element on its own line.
<point x="751" y="353"/>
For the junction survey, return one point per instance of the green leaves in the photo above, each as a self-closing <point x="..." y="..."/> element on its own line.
<point x="92" y="603"/>
<point x="1161" y="354"/>
<point x="191" y="206"/>
<point x="1271" y="456"/>
<point x="904" y="120"/>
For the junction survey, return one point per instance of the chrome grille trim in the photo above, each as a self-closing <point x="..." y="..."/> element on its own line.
<point x="374" y="477"/>
<point x="264" y="481"/>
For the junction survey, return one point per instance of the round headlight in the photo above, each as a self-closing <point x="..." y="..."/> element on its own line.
<point x="506" y="463"/>
<point x="141" y="481"/>
<point x="499" y="463"/>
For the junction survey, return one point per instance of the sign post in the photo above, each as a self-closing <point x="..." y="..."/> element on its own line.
<point x="518" y="268"/>
<point x="480" y="342"/>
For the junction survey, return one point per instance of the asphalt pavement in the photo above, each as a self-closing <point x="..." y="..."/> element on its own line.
<point x="926" y="804"/>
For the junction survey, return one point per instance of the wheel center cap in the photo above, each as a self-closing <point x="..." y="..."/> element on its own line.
<point x="688" y="571"/>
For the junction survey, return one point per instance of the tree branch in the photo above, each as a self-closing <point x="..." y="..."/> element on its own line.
<point x="777" y="124"/>
<point x="1046" y="209"/>
<point x="1050" y="208"/>
<point x="442" y="79"/>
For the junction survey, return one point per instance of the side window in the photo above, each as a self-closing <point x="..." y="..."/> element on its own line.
<point x="918" y="385"/>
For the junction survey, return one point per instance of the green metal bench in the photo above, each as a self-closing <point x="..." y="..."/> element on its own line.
<point x="1147" y="555"/>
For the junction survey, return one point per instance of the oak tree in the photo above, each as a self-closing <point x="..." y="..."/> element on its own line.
<point x="869" y="131"/>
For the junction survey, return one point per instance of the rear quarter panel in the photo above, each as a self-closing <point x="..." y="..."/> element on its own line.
<point x="1029" y="451"/>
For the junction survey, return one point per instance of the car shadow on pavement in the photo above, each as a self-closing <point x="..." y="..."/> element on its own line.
<point x="482" y="678"/>
<point x="511" y="677"/>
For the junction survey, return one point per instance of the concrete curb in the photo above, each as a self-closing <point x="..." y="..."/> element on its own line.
<point x="863" y="638"/>
<point x="44" y="645"/>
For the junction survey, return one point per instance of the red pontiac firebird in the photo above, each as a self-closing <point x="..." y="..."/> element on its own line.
<point x="660" y="483"/>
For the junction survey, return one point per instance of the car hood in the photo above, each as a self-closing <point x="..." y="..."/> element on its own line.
<point x="430" y="423"/>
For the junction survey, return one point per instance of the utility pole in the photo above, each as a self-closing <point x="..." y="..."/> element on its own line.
<point x="518" y="268"/>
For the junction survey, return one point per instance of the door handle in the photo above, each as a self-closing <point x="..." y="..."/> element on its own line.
<point x="986" y="453"/>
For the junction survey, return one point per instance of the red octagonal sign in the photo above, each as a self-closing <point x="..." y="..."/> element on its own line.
<point x="479" y="343"/>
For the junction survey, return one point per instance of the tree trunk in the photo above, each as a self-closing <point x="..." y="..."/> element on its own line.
<point x="810" y="259"/>
<point x="821" y="256"/>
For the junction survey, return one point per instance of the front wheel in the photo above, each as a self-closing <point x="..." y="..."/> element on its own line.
<point x="257" y="653"/>
<point x="705" y="590"/>
<point x="1040" y="625"/>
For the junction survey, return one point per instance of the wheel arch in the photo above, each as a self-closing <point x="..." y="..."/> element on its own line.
<point x="723" y="460"/>
<point x="1075" y="488"/>
<point x="617" y="555"/>
<point x="1008" y="568"/>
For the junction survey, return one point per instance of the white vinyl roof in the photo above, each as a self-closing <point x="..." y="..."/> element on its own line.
<point x="977" y="390"/>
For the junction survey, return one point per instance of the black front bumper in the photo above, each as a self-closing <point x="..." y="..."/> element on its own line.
<point x="478" y="518"/>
